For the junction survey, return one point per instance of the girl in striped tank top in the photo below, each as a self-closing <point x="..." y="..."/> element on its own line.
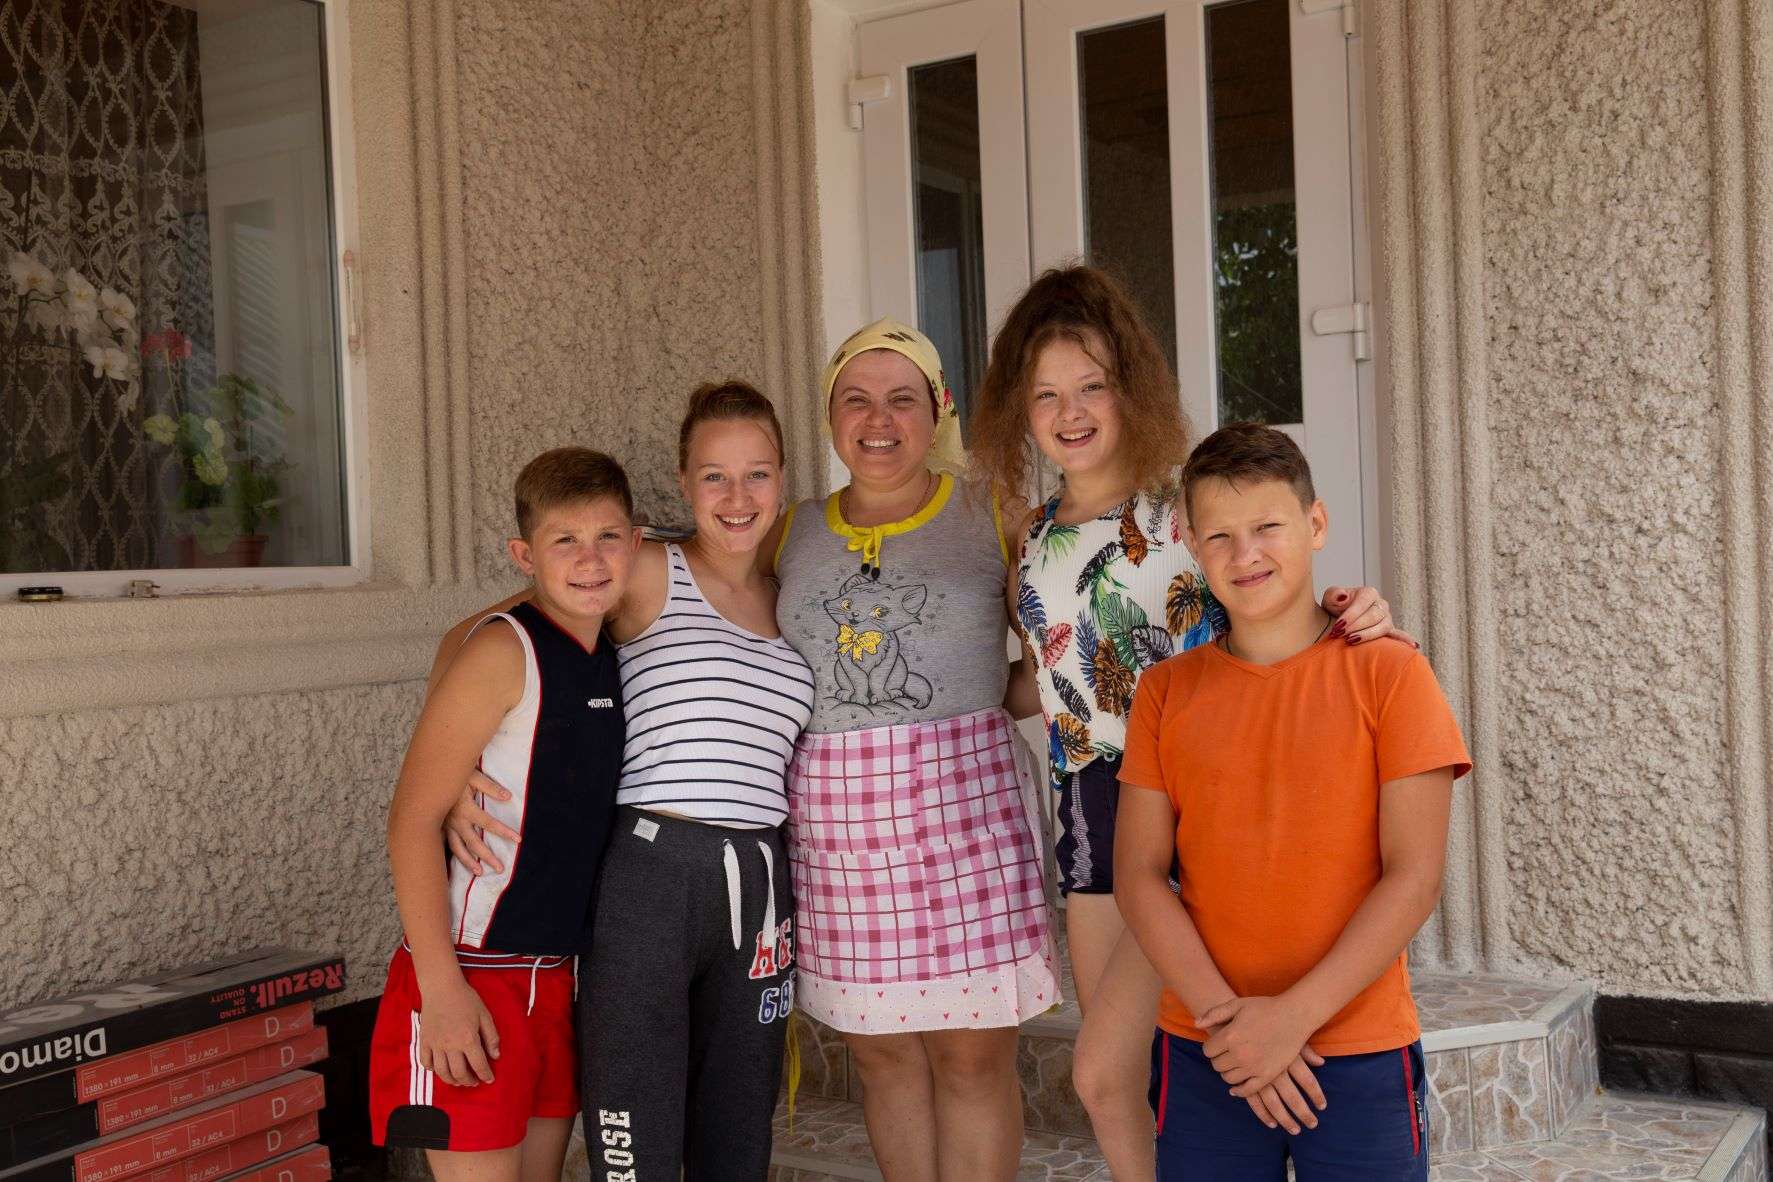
<point x="685" y="996"/>
<point x="1104" y="587"/>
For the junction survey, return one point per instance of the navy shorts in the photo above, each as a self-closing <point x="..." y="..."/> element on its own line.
<point x="1374" y="1130"/>
<point x="1088" y="801"/>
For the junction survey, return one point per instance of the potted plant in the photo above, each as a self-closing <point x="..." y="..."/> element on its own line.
<point x="47" y="316"/>
<point x="230" y="466"/>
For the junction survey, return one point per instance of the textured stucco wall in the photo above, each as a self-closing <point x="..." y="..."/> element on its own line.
<point x="1555" y="180"/>
<point x="559" y="208"/>
<point x="147" y="837"/>
<point x="1597" y="220"/>
<point x="625" y="130"/>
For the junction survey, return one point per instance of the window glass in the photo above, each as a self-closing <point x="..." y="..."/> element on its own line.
<point x="169" y="361"/>
<point x="950" y="215"/>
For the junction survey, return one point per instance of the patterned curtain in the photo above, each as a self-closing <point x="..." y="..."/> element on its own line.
<point x="102" y="171"/>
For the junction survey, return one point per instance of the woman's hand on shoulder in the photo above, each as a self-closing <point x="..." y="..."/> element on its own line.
<point x="1362" y="614"/>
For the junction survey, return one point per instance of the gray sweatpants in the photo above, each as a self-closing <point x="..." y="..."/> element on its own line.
<point x="684" y="1001"/>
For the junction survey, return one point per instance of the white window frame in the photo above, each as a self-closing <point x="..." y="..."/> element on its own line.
<point x="353" y="411"/>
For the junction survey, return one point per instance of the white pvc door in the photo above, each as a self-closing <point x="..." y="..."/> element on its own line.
<point x="1200" y="150"/>
<point x="947" y="211"/>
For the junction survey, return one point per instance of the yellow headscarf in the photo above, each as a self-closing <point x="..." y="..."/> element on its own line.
<point x="946" y="451"/>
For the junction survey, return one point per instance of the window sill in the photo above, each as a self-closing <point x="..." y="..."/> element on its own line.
<point x="102" y="654"/>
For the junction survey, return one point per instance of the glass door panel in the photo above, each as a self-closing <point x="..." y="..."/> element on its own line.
<point x="946" y="180"/>
<point x="1124" y="101"/>
<point x="948" y="215"/>
<point x="1255" y="233"/>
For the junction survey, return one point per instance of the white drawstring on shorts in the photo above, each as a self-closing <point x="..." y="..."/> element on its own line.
<point x="534" y="968"/>
<point x="769" y="884"/>
<point x="733" y="897"/>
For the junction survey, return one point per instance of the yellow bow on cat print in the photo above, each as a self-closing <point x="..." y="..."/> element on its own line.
<point x="856" y="645"/>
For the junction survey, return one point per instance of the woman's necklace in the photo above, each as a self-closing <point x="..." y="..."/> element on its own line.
<point x="844" y="500"/>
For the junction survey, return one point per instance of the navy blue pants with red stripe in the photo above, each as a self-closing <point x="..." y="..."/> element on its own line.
<point x="1375" y="1128"/>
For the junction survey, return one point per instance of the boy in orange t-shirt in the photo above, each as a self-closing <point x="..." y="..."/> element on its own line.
<point x="1302" y="789"/>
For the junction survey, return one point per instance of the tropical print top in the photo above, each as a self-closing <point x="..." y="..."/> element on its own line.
<point x="1100" y="602"/>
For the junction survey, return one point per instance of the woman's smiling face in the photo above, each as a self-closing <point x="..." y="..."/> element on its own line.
<point x="883" y="417"/>
<point x="733" y="482"/>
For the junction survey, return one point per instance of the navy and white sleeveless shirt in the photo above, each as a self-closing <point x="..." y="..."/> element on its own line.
<point x="713" y="712"/>
<point x="558" y="751"/>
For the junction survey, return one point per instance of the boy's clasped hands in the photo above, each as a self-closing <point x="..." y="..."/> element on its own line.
<point x="1258" y="1046"/>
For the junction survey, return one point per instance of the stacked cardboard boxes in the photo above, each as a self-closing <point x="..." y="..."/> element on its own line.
<point x="195" y="1075"/>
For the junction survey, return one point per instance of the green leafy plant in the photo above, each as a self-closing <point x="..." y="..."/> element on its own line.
<point x="1256" y="272"/>
<point x="230" y="466"/>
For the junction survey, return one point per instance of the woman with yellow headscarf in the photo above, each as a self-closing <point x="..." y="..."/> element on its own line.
<point x="923" y="928"/>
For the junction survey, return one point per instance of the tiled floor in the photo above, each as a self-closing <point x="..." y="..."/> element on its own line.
<point x="1614" y="1139"/>
<point x="828" y="1140"/>
<point x="1445" y="1000"/>
<point x="1514" y="1096"/>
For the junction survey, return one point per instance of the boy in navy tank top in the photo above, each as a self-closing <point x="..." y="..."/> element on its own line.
<point x="474" y="1056"/>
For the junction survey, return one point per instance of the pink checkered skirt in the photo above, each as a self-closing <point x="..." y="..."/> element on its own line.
<point x="919" y="901"/>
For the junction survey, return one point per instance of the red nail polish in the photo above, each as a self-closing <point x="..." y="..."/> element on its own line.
<point x="1339" y="628"/>
<point x="1354" y="640"/>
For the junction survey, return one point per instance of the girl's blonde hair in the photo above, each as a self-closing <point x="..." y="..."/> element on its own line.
<point x="715" y="402"/>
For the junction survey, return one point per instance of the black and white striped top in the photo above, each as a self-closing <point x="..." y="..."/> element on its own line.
<point x="713" y="712"/>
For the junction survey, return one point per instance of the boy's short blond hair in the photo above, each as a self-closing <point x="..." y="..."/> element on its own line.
<point x="1241" y="452"/>
<point x="568" y="476"/>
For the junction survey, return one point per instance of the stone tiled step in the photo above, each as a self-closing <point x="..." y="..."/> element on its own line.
<point x="828" y="1140"/>
<point x="1610" y="1139"/>
<point x="1636" y="1138"/>
<point x="1509" y="1061"/>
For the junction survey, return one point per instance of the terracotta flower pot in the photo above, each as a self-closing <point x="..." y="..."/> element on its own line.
<point x="243" y="551"/>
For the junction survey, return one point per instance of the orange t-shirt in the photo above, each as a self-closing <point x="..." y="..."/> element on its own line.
<point x="1274" y="773"/>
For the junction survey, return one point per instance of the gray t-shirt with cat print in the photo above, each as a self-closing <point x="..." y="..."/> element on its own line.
<point x="918" y="638"/>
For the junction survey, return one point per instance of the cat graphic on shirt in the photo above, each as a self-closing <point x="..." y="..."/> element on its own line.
<point x="870" y="662"/>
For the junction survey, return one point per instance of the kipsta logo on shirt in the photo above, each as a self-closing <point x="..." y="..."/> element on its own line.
<point x="601" y="703"/>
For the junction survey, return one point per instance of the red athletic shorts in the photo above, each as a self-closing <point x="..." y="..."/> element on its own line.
<point x="536" y="1074"/>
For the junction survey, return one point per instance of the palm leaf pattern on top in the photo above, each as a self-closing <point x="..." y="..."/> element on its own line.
<point x="1182" y="604"/>
<point x="1073" y="738"/>
<point x="1132" y="538"/>
<point x="1068" y="694"/>
<point x="1095" y="571"/>
<point x="1087" y="640"/>
<point x="1060" y="541"/>
<point x="1029" y="608"/>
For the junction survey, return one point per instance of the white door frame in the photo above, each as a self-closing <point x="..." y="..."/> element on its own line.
<point x="990" y="31"/>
